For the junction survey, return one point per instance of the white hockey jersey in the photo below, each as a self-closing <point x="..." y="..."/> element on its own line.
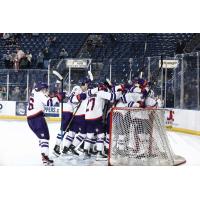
<point x="75" y="101"/>
<point x="68" y="107"/>
<point x="96" y="104"/>
<point x="130" y="100"/>
<point x="116" y="88"/>
<point x="38" y="101"/>
<point x="150" y="102"/>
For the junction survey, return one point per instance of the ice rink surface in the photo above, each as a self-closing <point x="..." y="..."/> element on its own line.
<point x="19" y="146"/>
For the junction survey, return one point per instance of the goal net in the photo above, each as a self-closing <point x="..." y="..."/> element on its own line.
<point x="138" y="137"/>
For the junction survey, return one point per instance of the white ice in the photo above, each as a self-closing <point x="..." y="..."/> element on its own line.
<point x="19" y="146"/>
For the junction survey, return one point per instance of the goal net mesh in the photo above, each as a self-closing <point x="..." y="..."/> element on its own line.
<point x="138" y="137"/>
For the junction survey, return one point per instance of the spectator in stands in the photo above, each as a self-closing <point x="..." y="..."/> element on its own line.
<point x="46" y="57"/>
<point x="24" y="93"/>
<point x="180" y="46"/>
<point x="13" y="41"/>
<point x="113" y="40"/>
<point x="53" y="41"/>
<point x="29" y="58"/>
<point x="2" y="93"/>
<point x="6" y="36"/>
<point x="48" y="42"/>
<point x="10" y="39"/>
<point x="63" y="54"/>
<point x="13" y="56"/>
<point x="20" y="54"/>
<point x="15" y="94"/>
<point x="40" y="60"/>
<point x="7" y="59"/>
<point x="112" y="37"/>
<point x="24" y="63"/>
<point x="90" y="46"/>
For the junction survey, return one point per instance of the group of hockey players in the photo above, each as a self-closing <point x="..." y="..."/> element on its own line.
<point x="86" y="112"/>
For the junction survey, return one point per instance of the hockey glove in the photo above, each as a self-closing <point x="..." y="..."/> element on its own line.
<point x="108" y="84"/>
<point x="141" y="103"/>
<point x="81" y="96"/>
<point x="127" y="86"/>
<point x="60" y="96"/>
<point x="102" y="87"/>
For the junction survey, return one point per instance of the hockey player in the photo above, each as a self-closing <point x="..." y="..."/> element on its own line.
<point x="77" y="127"/>
<point x="127" y="99"/>
<point x="142" y="121"/>
<point x="149" y="100"/>
<point x="35" y="117"/>
<point x="118" y="88"/>
<point x="94" y="122"/>
<point x="66" y="117"/>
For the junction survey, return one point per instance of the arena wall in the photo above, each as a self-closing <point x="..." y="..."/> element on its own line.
<point x="13" y="110"/>
<point x="186" y="121"/>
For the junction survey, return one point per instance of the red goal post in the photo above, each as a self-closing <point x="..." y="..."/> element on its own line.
<point x="138" y="137"/>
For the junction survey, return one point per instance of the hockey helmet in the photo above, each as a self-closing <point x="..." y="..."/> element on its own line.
<point x="41" y="85"/>
<point x="83" y="81"/>
<point x="142" y="82"/>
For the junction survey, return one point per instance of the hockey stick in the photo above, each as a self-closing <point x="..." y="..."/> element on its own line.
<point x="61" y="80"/>
<point x="155" y="79"/>
<point x="107" y="104"/>
<point x="69" y="124"/>
<point x="91" y="77"/>
<point x="140" y="71"/>
<point x="78" y="106"/>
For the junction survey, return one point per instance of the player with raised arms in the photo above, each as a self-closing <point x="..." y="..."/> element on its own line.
<point x="77" y="133"/>
<point x="35" y="117"/>
<point x="94" y="120"/>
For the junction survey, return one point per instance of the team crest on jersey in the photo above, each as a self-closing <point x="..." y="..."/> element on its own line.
<point x="42" y="135"/>
<point x="79" y="129"/>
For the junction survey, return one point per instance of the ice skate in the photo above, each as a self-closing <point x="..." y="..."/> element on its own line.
<point x="106" y="151"/>
<point x="86" y="155"/>
<point x="100" y="156"/>
<point x="46" y="161"/>
<point x="93" y="152"/>
<point x="65" y="151"/>
<point x="73" y="150"/>
<point x="56" y="150"/>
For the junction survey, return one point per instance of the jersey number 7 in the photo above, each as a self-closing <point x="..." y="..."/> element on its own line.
<point x="90" y="104"/>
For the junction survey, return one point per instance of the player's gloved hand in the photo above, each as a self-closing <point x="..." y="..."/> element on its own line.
<point x="60" y="96"/>
<point x="81" y="96"/>
<point x="102" y="87"/>
<point x="144" y="92"/>
<point x="127" y="86"/>
<point x="141" y="104"/>
<point x="121" y="88"/>
<point x="108" y="85"/>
